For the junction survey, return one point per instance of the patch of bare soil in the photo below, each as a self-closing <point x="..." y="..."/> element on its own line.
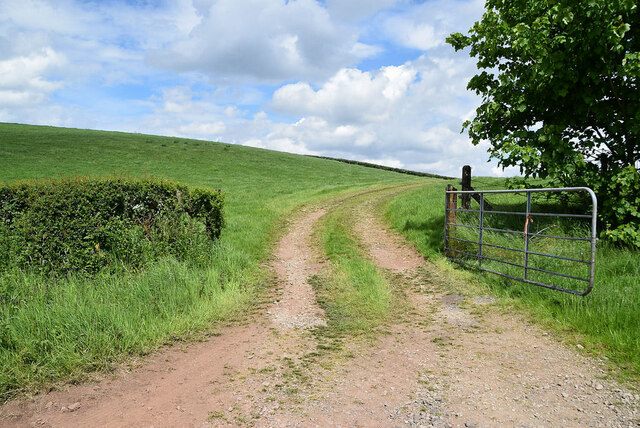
<point x="448" y="360"/>
<point x="294" y="264"/>
<point x="389" y="251"/>
<point x="175" y="387"/>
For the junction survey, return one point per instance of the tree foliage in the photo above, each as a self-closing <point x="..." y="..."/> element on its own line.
<point x="559" y="81"/>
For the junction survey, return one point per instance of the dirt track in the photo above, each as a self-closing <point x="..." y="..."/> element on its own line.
<point x="448" y="360"/>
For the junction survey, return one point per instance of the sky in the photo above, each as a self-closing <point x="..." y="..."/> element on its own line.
<point x="370" y="80"/>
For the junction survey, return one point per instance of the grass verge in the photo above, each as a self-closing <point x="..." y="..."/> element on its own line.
<point x="63" y="329"/>
<point x="606" y="322"/>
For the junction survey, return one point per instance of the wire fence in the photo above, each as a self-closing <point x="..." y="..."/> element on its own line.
<point x="542" y="237"/>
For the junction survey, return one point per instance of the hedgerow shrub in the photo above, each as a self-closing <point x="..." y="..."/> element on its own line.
<point x="384" y="167"/>
<point x="84" y="225"/>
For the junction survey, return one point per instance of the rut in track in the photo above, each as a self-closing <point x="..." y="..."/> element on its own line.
<point x="448" y="359"/>
<point x="294" y="264"/>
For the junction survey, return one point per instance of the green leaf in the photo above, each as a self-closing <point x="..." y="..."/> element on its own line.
<point x="569" y="71"/>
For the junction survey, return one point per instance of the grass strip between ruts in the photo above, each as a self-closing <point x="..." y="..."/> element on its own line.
<point x="355" y="294"/>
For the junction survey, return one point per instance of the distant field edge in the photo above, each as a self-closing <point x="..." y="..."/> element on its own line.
<point x="386" y="168"/>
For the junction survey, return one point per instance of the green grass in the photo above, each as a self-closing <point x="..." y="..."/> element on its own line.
<point x="60" y="330"/>
<point x="63" y="329"/>
<point x="356" y="296"/>
<point x="607" y="321"/>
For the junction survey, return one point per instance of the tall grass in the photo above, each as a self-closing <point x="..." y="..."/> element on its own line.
<point x="607" y="321"/>
<point x="61" y="328"/>
<point x="57" y="330"/>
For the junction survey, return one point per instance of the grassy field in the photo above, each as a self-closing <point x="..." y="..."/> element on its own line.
<point x="606" y="322"/>
<point x="58" y="330"/>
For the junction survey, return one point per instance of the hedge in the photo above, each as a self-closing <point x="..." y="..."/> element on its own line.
<point x="85" y="224"/>
<point x="385" y="168"/>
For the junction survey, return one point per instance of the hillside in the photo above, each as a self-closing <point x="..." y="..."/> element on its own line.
<point x="130" y="315"/>
<point x="256" y="181"/>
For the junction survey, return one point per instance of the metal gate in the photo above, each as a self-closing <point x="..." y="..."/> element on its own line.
<point x="479" y="235"/>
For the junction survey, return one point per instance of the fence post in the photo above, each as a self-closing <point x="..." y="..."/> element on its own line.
<point x="466" y="185"/>
<point x="447" y="198"/>
<point x="451" y="204"/>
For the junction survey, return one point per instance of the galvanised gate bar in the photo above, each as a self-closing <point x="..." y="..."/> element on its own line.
<point x="473" y="237"/>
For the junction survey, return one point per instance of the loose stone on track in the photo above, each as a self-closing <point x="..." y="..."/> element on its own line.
<point x="294" y="264"/>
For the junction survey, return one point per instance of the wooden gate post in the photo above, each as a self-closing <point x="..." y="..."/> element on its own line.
<point x="466" y="185"/>
<point x="450" y="220"/>
<point x="452" y="204"/>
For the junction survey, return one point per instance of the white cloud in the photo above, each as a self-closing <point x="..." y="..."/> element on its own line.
<point x="79" y="50"/>
<point x="425" y="26"/>
<point x="361" y="50"/>
<point x="144" y="24"/>
<point x="205" y="129"/>
<point x="414" y="35"/>
<point x="263" y="40"/>
<point x="393" y="163"/>
<point x="184" y="112"/>
<point x="405" y="116"/>
<point x="355" y="10"/>
<point x="350" y="96"/>
<point x="24" y="79"/>
<point x="509" y="171"/>
<point x="62" y="17"/>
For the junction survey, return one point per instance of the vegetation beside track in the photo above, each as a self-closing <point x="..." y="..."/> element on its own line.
<point x="66" y="327"/>
<point x="605" y="322"/>
<point x="83" y="225"/>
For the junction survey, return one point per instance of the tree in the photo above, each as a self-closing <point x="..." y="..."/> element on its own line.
<point x="559" y="81"/>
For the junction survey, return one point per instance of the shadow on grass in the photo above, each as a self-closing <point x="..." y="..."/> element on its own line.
<point x="429" y="234"/>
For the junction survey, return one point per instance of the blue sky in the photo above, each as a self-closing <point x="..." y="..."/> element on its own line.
<point x="370" y="80"/>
